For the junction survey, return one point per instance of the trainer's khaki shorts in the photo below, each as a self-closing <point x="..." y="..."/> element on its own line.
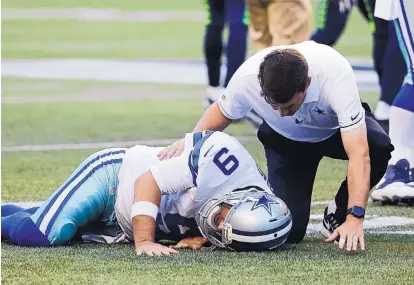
<point x="279" y="22"/>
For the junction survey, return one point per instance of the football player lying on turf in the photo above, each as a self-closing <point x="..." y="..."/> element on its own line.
<point x="215" y="187"/>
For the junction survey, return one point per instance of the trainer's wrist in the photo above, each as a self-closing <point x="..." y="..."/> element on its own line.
<point x="356" y="212"/>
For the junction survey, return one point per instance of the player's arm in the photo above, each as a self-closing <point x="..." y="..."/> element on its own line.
<point x="169" y="177"/>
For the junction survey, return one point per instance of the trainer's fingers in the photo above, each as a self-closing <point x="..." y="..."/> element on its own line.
<point x="349" y="241"/>
<point x="362" y="242"/>
<point x="161" y="155"/>
<point x="355" y="243"/>
<point x="342" y="238"/>
<point x="171" y="151"/>
<point x="332" y="236"/>
<point x="179" y="150"/>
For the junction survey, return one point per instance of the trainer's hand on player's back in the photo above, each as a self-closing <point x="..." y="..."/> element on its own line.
<point x="151" y="248"/>
<point x="172" y="150"/>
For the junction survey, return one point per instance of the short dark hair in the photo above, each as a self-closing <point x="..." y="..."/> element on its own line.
<point x="282" y="74"/>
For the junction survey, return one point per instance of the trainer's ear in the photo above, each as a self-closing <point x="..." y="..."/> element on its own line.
<point x="309" y="82"/>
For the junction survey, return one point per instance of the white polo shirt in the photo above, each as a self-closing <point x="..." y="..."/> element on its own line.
<point x="332" y="100"/>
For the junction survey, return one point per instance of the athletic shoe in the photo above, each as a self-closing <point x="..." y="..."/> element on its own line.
<point x="212" y="95"/>
<point x="396" y="186"/>
<point x="330" y="221"/>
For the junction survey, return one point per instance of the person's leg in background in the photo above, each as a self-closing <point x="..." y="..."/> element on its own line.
<point x="221" y="13"/>
<point x="238" y="22"/>
<point x="213" y="46"/>
<point x="277" y="23"/>
<point x="331" y="21"/>
<point x="398" y="183"/>
<point x="289" y="21"/>
<point x="393" y="73"/>
<point x="258" y="26"/>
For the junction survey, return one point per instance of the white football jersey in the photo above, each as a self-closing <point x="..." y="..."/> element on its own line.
<point x="211" y="165"/>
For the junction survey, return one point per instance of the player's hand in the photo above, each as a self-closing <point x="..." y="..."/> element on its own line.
<point x="191" y="242"/>
<point x="173" y="150"/>
<point x="151" y="248"/>
<point x="351" y="232"/>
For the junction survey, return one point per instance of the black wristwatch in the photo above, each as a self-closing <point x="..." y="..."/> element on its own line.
<point x="356" y="211"/>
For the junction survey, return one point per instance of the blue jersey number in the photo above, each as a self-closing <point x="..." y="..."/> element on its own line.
<point x="228" y="165"/>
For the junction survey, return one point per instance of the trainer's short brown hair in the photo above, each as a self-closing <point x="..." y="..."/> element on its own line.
<point x="282" y="74"/>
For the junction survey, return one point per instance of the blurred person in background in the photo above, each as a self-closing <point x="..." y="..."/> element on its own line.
<point x="388" y="60"/>
<point x="398" y="183"/>
<point x="279" y="22"/>
<point x="220" y="13"/>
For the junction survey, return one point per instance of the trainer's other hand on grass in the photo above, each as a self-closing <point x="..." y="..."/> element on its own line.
<point x="172" y="150"/>
<point x="151" y="248"/>
<point x="351" y="232"/>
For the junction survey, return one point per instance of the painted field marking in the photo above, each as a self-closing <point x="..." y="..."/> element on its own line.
<point x="373" y="223"/>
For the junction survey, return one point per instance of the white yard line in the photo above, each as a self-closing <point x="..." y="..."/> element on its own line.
<point x="94" y="15"/>
<point x="373" y="224"/>
<point x="30" y="204"/>
<point x="102" y="145"/>
<point x="145" y="71"/>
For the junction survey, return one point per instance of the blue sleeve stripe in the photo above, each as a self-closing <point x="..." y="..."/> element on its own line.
<point x="197" y="137"/>
<point x="193" y="173"/>
<point x="195" y="155"/>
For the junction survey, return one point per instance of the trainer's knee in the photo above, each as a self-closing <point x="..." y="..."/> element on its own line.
<point x="380" y="149"/>
<point x="296" y="235"/>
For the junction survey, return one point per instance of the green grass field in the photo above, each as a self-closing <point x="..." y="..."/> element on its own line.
<point x="25" y="38"/>
<point x="168" y="111"/>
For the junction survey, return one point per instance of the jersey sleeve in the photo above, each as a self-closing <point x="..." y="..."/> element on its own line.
<point x="177" y="174"/>
<point x="343" y="95"/>
<point x="219" y="163"/>
<point x="233" y="103"/>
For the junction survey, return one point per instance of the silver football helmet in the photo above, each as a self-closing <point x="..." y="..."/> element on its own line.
<point x="257" y="221"/>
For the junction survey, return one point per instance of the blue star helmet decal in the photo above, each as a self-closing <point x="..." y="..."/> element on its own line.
<point x="265" y="203"/>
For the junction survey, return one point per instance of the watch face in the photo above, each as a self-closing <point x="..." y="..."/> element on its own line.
<point x="357" y="211"/>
